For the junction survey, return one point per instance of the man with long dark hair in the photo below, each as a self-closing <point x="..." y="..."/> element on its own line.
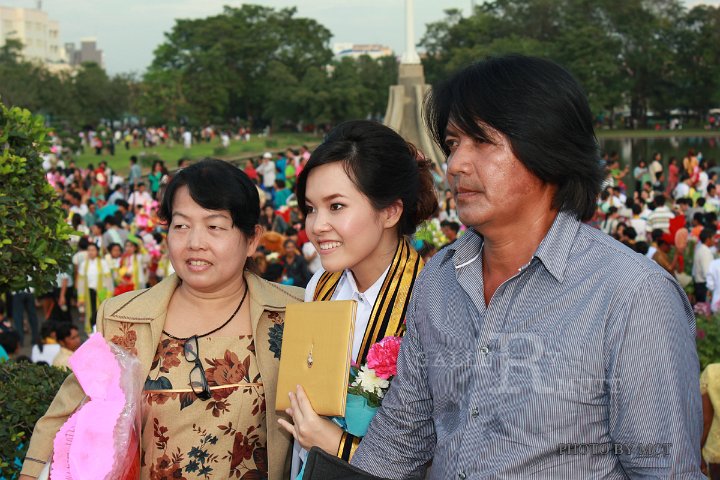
<point x="536" y="346"/>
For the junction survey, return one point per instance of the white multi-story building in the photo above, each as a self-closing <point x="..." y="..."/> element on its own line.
<point x="355" y="50"/>
<point x="39" y="34"/>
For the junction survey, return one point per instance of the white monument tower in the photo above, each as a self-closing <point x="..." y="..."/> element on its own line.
<point x="410" y="56"/>
<point x="404" y="110"/>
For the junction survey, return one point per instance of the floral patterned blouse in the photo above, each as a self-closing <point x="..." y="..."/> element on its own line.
<point x="185" y="437"/>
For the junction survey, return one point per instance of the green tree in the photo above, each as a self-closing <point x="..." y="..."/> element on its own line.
<point x="494" y="29"/>
<point x="160" y="97"/>
<point x="11" y="51"/>
<point x="19" y="80"/>
<point x="585" y="46"/>
<point x="287" y="104"/>
<point x="377" y="76"/>
<point x="58" y="102"/>
<point x="698" y="60"/>
<point x="83" y="97"/>
<point x="624" y="52"/>
<point x="347" y="96"/>
<point x="348" y="88"/>
<point x="33" y="232"/>
<point x="98" y="96"/>
<point x="646" y="31"/>
<point x="313" y="95"/>
<point x="222" y="64"/>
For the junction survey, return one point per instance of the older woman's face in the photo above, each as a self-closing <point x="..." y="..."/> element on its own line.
<point x="206" y="250"/>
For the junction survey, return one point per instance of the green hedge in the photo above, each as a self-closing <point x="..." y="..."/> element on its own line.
<point x="708" y="338"/>
<point x="33" y="233"/>
<point x="26" y="390"/>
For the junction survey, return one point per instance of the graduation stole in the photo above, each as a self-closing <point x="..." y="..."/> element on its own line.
<point x="101" y="276"/>
<point x="84" y="293"/>
<point x="133" y="264"/>
<point x="388" y="313"/>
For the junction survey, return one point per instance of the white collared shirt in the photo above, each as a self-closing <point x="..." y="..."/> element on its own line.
<point x="347" y="290"/>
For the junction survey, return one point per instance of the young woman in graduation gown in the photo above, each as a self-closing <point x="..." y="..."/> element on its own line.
<point x="363" y="191"/>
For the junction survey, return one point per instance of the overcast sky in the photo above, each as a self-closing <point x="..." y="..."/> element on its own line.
<point x="128" y="31"/>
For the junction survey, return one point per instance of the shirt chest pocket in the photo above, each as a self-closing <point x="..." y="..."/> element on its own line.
<point x="549" y="404"/>
<point x="538" y="416"/>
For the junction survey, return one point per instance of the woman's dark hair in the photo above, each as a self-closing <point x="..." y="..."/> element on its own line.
<point x="630" y="233"/>
<point x="542" y="111"/>
<point x="706" y="234"/>
<point x="711" y="220"/>
<point x="46" y="330"/>
<point x="83" y="243"/>
<point x="216" y="185"/>
<point x="9" y="341"/>
<point x="656" y="234"/>
<point x="382" y="165"/>
<point x="64" y="330"/>
<point x="273" y="273"/>
<point x="76" y="220"/>
<point x="162" y="166"/>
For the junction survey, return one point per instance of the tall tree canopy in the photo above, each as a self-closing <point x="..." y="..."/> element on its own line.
<point x="259" y="65"/>
<point x="644" y="54"/>
<point x="231" y="65"/>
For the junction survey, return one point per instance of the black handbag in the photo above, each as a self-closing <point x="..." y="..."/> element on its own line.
<point x="323" y="466"/>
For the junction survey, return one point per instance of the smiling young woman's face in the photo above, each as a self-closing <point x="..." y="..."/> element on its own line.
<point x="341" y="222"/>
<point x="206" y="250"/>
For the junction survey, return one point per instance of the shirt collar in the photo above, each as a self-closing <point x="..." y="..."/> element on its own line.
<point x="465" y="249"/>
<point x="553" y="251"/>
<point x="555" y="248"/>
<point x="369" y="295"/>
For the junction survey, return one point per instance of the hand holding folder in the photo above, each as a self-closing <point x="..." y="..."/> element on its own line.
<point x="316" y="353"/>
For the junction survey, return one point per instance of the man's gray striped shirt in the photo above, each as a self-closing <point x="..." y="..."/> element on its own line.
<point x="583" y="365"/>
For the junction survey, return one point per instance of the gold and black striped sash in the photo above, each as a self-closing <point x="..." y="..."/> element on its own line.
<point x="388" y="313"/>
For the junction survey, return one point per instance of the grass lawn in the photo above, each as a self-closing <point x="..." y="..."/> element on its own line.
<point x="690" y="132"/>
<point x="120" y="162"/>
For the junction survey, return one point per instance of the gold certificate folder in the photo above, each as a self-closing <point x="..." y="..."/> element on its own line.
<point x="316" y="350"/>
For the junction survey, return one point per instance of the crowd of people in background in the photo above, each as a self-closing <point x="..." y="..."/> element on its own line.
<point x="104" y="140"/>
<point x="120" y="245"/>
<point x="670" y="215"/>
